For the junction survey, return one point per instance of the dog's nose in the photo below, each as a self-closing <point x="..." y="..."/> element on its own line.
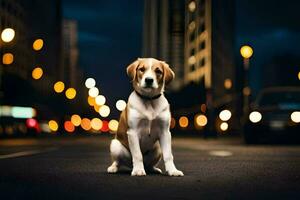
<point x="149" y="81"/>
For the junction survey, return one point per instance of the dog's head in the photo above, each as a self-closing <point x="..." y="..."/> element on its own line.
<point x="149" y="76"/>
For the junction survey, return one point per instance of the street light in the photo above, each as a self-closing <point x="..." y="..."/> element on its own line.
<point x="246" y="52"/>
<point x="8" y="35"/>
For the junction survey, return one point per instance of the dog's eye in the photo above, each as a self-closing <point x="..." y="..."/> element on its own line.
<point x="141" y="69"/>
<point x="158" y="71"/>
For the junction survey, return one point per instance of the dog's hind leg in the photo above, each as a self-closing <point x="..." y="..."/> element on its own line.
<point x="119" y="155"/>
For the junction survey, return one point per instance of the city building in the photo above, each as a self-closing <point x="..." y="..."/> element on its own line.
<point x="69" y="68"/>
<point x="209" y="45"/>
<point x="163" y="34"/>
<point x="197" y="38"/>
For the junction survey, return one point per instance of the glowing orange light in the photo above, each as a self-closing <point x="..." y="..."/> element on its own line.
<point x="71" y="93"/>
<point x="96" y="124"/>
<point x="76" y="120"/>
<point x="53" y="126"/>
<point x="228" y="83"/>
<point x="59" y="87"/>
<point x="97" y="107"/>
<point x="86" y="124"/>
<point x="7" y="58"/>
<point x="183" y="122"/>
<point x="91" y="101"/>
<point x="69" y="127"/>
<point x="38" y="44"/>
<point x="200" y="120"/>
<point x="37" y="73"/>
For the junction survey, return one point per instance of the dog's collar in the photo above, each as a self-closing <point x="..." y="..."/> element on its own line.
<point x="146" y="97"/>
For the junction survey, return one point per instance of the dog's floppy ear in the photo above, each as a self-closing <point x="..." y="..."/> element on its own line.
<point x="131" y="69"/>
<point x="169" y="75"/>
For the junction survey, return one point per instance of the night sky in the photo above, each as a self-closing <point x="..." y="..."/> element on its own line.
<point x="110" y="36"/>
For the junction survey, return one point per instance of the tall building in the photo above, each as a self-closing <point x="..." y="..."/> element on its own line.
<point x="197" y="38"/>
<point x="30" y="20"/>
<point x="69" y="69"/>
<point x="209" y="45"/>
<point x="163" y="34"/>
<point x="13" y="15"/>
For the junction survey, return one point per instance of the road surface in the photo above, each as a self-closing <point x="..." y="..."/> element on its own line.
<point x="75" y="168"/>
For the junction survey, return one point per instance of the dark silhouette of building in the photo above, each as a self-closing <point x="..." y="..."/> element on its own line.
<point x="164" y="34"/>
<point x="203" y="40"/>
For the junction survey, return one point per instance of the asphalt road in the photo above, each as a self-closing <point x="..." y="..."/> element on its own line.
<point x="75" y="168"/>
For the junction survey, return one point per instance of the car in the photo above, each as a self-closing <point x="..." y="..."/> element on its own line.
<point x="274" y="114"/>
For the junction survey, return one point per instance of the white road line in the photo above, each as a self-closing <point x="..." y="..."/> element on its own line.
<point x="26" y="153"/>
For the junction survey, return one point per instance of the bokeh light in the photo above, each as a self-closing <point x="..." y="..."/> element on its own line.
<point x="105" y="127"/>
<point x="7" y="58"/>
<point x="91" y="101"/>
<point x="59" y="87"/>
<point x="203" y="108"/>
<point x="104" y="111"/>
<point x="299" y="76"/>
<point x="225" y="115"/>
<point x="53" y="125"/>
<point x="224" y="126"/>
<point x="192" y="6"/>
<point x="246" y="51"/>
<point x="255" y="116"/>
<point x="76" y="120"/>
<point x="93" y="92"/>
<point x="71" y="93"/>
<point x="295" y="116"/>
<point x="113" y="125"/>
<point x="183" y="122"/>
<point x="90" y="83"/>
<point x="96" y="124"/>
<point x="173" y="122"/>
<point x="37" y="73"/>
<point x="8" y="34"/>
<point x="31" y="123"/>
<point x="85" y="124"/>
<point x="69" y="127"/>
<point x="100" y="100"/>
<point x="228" y="84"/>
<point x="97" y="108"/>
<point x="200" y="120"/>
<point x="121" y="105"/>
<point x="38" y="44"/>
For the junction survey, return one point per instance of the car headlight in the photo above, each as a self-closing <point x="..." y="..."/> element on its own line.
<point x="255" y="116"/>
<point x="295" y="116"/>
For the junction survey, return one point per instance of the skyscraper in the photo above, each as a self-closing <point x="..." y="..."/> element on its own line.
<point x="209" y="44"/>
<point x="164" y="34"/>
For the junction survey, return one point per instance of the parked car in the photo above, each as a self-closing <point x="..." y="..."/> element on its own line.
<point x="274" y="114"/>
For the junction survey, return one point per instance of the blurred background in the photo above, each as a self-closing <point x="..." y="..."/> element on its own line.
<point x="237" y="65"/>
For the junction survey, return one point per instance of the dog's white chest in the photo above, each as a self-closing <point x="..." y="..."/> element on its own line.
<point x="149" y="119"/>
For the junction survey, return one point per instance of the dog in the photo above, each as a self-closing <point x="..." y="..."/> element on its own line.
<point x="143" y="135"/>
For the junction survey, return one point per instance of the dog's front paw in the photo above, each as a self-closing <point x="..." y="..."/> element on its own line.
<point x="175" y="172"/>
<point x="112" y="169"/>
<point x="138" y="172"/>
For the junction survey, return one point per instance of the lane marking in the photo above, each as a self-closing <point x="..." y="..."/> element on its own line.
<point x="27" y="153"/>
<point x="220" y="153"/>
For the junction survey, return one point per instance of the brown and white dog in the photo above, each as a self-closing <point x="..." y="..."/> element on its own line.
<point x="143" y="136"/>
